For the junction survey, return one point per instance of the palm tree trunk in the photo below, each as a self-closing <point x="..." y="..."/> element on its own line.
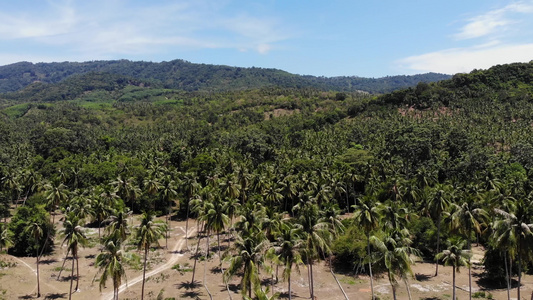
<point x="290" y="291"/>
<point x="438" y="246"/>
<point x="144" y="270"/>
<point x="312" y="281"/>
<point x="335" y="277"/>
<point x="63" y="265"/>
<point x="507" y="275"/>
<point x="205" y="283"/>
<point x="370" y="267"/>
<point x="71" y="280"/>
<point x="195" y="259"/>
<point x="38" y="283"/>
<point x="453" y="283"/>
<point x="219" y="256"/>
<point x="408" y="288"/>
<point x="187" y="226"/>
<point x="77" y="272"/>
<point x="469" y="247"/>
<point x="519" y="272"/>
<point x="393" y="291"/>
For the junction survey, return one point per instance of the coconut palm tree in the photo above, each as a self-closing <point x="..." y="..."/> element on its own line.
<point x="367" y="215"/>
<point x="118" y="226"/>
<point x="287" y="249"/>
<point x="396" y="253"/>
<point x="316" y="236"/>
<point x="455" y="257"/>
<point x="438" y="203"/>
<point x="465" y="219"/>
<point x="36" y="230"/>
<point x="514" y="230"/>
<point x="73" y="237"/>
<point x="111" y="264"/>
<point x="5" y="237"/>
<point x="247" y="254"/>
<point x="147" y="234"/>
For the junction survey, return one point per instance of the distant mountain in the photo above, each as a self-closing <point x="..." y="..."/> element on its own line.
<point x="180" y="74"/>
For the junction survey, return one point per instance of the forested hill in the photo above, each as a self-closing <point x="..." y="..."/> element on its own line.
<point x="180" y="74"/>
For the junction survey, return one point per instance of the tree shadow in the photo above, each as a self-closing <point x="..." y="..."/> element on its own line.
<point x="234" y="287"/>
<point x="216" y="270"/>
<point x="26" y="297"/>
<point x="285" y="295"/>
<point x="91" y="256"/>
<point x="67" y="278"/>
<point x="177" y="252"/>
<point x="485" y="283"/>
<point x="47" y="261"/>
<point x="191" y="294"/>
<point x="189" y="285"/>
<point x="422" y="277"/>
<point x="430" y="298"/>
<point x="56" y="296"/>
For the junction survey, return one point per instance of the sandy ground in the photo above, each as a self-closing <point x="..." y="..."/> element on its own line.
<point x="19" y="282"/>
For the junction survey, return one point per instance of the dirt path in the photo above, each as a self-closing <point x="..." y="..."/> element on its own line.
<point x="35" y="274"/>
<point x="175" y="256"/>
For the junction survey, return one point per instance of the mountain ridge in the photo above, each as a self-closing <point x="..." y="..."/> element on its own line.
<point x="181" y="74"/>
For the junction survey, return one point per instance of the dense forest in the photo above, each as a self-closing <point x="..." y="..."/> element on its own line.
<point x="299" y="173"/>
<point x="183" y="75"/>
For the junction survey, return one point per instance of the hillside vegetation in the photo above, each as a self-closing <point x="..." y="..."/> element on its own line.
<point x="433" y="167"/>
<point x="179" y="74"/>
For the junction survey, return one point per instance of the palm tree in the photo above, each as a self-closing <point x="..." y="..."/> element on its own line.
<point x="148" y="233"/>
<point x="366" y="215"/>
<point x="216" y="220"/>
<point x="55" y="193"/>
<point x="74" y="237"/>
<point x="36" y="230"/>
<point x="247" y="255"/>
<point x="169" y="195"/>
<point x="316" y="236"/>
<point x="456" y="257"/>
<point x="111" y="264"/>
<point x="287" y="250"/>
<point x="118" y="226"/>
<point x="5" y="237"/>
<point x="515" y="231"/>
<point x="396" y="253"/>
<point x="126" y="190"/>
<point x="437" y="205"/>
<point x="465" y="219"/>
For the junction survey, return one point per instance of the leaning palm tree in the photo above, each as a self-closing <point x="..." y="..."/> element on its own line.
<point x="74" y="237"/>
<point x="147" y="234"/>
<point x="367" y="215"/>
<point x="456" y="257"/>
<point x="111" y="264"/>
<point x="36" y="230"/>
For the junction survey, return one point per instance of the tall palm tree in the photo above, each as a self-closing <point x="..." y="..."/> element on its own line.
<point x="367" y="215"/>
<point x="438" y="203"/>
<point x="169" y="195"/>
<point x="456" y="257"/>
<point x="73" y="236"/>
<point x="55" y="193"/>
<point x="396" y="253"/>
<point x="465" y="219"/>
<point x="118" y="226"/>
<point x="247" y="255"/>
<point x="111" y="265"/>
<point x="147" y="234"/>
<point x="515" y="231"/>
<point x="316" y="236"/>
<point x="287" y="249"/>
<point x="36" y="230"/>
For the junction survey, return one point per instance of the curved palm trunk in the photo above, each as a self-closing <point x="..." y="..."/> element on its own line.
<point x="393" y="291"/>
<point x="408" y="289"/>
<point x="205" y="283"/>
<point x="144" y="270"/>
<point x="63" y="265"/>
<point x="195" y="259"/>
<point x="335" y="277"/>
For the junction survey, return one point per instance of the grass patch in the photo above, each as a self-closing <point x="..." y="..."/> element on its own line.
<point x="17" y="111"/>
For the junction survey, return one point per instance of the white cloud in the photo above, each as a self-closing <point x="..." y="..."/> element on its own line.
<point x="494" y="21"/>
<point x="103" y="28"/>
<point x="461" y="60"/>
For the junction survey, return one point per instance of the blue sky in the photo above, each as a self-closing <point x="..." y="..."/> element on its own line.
<point x="369" y="38"/>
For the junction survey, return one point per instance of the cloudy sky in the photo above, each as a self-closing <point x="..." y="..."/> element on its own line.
<point x="370" y="38"/>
